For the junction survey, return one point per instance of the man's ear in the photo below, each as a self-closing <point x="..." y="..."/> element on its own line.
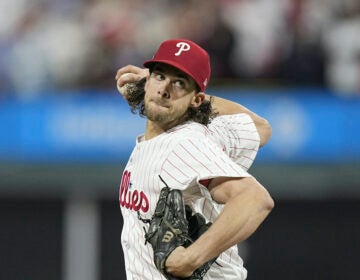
<point x="197" y="99"/>
<point x="146" y="82"/>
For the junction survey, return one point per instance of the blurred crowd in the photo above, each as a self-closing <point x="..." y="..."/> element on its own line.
<point x="48" y="45"/>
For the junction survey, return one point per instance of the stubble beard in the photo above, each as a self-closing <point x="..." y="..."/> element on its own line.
<point x="153" y="115"/>
<point x="162" y="117"/>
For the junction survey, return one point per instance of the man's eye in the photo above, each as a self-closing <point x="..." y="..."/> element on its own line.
<point x="157" y="76"/>
<point x="179" y="83"/>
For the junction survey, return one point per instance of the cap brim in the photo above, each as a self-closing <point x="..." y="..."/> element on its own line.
<point x="150" y="63"/>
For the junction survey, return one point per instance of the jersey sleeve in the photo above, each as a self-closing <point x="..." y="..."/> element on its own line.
<point x="238" y="137"/>
<point x="195" y="159"/>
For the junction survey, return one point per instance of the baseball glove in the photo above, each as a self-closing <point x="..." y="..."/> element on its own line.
<point x="173" y="225"/>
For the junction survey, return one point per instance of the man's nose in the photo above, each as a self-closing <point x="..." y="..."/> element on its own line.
<point x="164" y="89"/>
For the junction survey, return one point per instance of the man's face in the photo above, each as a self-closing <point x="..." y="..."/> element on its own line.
<point x="169" y="94"/>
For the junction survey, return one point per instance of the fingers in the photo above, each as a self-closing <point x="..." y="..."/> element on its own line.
<point x="125" y="69"/>
<point x="129" y="74"/>
<point x="126" y="78"/>
<point x="137" y="71"/>
<point x="122" y="87"/>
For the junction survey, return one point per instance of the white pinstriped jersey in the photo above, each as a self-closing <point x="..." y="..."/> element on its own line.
<point x="184" y="156"/>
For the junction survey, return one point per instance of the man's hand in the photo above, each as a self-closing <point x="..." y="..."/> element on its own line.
<point x="179" y="264"/>
<point x="127" y="75"/>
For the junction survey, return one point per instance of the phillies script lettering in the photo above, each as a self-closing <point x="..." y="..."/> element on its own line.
<point x="133" y="200"/>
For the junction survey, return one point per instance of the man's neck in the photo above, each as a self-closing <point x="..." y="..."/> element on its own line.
<point x="152" y="130"/>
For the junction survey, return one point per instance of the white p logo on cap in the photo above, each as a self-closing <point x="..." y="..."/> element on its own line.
<point x="183" y="47"/>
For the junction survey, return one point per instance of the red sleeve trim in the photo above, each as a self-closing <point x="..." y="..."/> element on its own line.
<point x="205" y="182"/>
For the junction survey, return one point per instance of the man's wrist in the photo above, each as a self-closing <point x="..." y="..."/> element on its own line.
<point x="194" y="258"/>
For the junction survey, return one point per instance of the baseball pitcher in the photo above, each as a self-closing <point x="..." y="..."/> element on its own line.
<point x="185" y="195"/>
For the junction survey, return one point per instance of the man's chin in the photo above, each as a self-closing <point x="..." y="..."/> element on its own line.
<point x="156" y="115"/>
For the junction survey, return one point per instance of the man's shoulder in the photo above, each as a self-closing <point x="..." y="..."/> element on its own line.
<point x="190" y="129"/>
<point x="237" y="118"/>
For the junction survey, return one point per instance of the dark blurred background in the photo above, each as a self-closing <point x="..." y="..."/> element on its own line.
<point x="65" y="133"/>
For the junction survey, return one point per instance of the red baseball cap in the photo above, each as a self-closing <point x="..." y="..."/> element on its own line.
<point x="187" y="57"/>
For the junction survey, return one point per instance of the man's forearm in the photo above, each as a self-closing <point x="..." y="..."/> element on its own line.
<point x="241" y="216"/>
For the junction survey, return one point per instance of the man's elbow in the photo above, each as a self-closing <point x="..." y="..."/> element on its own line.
<point x="264" y="131"/>
<point x="269" y="203"/>
<point x="266" y="201"/>
<point x="262" y="198"/>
